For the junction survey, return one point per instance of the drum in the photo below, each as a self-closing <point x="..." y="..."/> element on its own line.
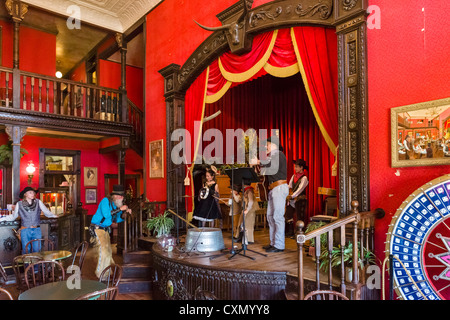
<point x="204" y="240"/>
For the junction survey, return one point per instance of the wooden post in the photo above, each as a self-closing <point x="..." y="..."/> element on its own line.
<point x="15" y="134"/>
<point x="123" y="88"/>
<point x="300" y="236"/>
<point x="17" y="10"/>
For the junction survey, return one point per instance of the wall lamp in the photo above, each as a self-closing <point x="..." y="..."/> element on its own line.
<point x="30" y="170"/>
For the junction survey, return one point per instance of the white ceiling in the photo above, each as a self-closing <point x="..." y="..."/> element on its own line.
<point x="115" y="15"/>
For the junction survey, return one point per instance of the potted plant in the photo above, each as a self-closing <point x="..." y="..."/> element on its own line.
<point x="347" y="253"/>
<point x="6" y="153"/>
<point x="162" y="225"/>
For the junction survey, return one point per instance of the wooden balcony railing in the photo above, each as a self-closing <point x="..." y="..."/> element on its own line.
<point x="39" y="93"/>
<point x="362" y="232"/>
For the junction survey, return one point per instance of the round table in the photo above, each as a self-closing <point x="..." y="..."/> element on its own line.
<point x="53" y="255"/>
<point x="60" y="290"/>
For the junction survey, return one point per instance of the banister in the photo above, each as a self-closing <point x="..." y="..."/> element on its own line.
<point x="66" y="81"/>
<point x="358" y="220"/>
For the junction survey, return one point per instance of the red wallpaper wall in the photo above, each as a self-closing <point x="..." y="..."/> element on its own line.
<point x="405" y="65"/>
<point x="34" y="45"/>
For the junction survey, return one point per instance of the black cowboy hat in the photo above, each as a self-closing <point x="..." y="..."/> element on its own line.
<point x="301" y="163"/>
<point x="25" y="190"/>
<point x="118" y="190"/>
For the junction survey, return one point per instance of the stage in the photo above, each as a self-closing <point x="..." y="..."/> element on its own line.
<point x="179" y="274"/>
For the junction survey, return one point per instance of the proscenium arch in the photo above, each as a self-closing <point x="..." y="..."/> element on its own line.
<point x="348" y="17"/>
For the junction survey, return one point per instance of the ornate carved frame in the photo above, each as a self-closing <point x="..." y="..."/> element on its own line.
<point x="349" y="19"/>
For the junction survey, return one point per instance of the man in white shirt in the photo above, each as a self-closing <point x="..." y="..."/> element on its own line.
<point x="29" y="210"/>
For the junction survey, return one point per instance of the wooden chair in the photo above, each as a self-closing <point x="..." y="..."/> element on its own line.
<point x="3" y="273"/>
<point x="41" y="242"/>
<point x="82" y="249"/>
<point x="43" y="272"/>
<point x="325" y="295"/>
<point x="19" y="264"/>
<point x="105" y="294"/>
<point x="10" y="297"/>
<point x="111" y="275"/>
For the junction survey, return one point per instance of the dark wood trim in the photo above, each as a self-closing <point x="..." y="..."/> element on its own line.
<point x="76" y="154"/>
<point x="348" y="17"/>
<point x="56" y="122"/>
<point x="137" y="178"/>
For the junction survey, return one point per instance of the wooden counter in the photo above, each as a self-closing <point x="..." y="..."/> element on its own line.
<point x="64" y="231"/>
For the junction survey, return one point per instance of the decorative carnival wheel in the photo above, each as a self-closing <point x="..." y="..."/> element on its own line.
<point x="419" y="240"/>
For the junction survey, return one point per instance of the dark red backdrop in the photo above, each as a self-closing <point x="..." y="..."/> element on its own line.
<point x="279" y="103"/>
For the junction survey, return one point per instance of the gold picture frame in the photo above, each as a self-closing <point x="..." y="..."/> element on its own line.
<point x="90" y="176"/>
<point x="156" y="159"/>
<point x="420" y="134"/>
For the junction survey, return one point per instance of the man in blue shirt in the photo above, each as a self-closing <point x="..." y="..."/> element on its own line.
<point x="111" y="209"/>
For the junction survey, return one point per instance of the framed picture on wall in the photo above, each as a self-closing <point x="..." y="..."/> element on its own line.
<point x="90" y="177"/>
<point x="156" y="159"/>
<point x="426" y="134"/>
<point x="91" y="196"/>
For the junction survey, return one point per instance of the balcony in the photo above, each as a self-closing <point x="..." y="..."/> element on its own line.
<point x="33" y="100"/>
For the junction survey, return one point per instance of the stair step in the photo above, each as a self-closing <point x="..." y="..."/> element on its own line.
<point x="137" y="257"/>
<point x="134" y="285"/>
<point x="137" y="270"/>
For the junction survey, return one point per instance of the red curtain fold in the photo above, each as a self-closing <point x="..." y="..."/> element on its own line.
<point x="216" y="80"/>
<point x="318" y="50"/>
<point x="237" y="64"/>
<point x="283" y="54"/>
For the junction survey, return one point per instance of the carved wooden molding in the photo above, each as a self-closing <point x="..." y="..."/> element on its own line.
<point x="185" y="276"/>
<point x="58" y="122"/>
<point x="16" y="9"/>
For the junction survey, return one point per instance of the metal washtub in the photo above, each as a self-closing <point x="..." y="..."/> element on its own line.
<point x="204" y="240"/>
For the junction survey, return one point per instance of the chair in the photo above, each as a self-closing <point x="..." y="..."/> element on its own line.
<point x="111" y="275"/>
<point x="105" y="294"/>
<point x="43" y="272"/>
<point x="82" y="249"/>
<point x="42" y="242"/>
<point x="3" y="273"/>
<point x="325" y="295"/>
<point x="7" y="293"/>
<point x="19" y="264"/>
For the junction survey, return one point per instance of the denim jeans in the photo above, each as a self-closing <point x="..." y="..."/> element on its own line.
<point x="29" y="234"/>
<point x="275" y="215"/>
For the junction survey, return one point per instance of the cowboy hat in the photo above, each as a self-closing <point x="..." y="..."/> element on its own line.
<point x="118" y="190"/>
<point x="25" y="190"/>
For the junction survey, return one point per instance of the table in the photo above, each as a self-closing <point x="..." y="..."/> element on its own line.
<point x="53" y="255"/>
<point x="60" y="291"/>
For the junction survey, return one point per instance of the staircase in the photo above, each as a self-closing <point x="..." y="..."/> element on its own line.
<point x="137" y="272"/>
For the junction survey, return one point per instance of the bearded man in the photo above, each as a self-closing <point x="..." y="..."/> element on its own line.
<point x="111" y="209"/>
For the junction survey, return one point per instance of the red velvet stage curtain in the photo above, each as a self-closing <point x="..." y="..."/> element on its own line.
<point x="280" y="103"/>
<point x="316" y="50"/>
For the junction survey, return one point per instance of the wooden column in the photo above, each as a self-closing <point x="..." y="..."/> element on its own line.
<point x="353" y="108"/>
<point x="124" y="145"/>
<point x="175" y="120"/>
<point x="17" y="10"/>
<point x="16" y="135"/>
<point x="123" y="88"/>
